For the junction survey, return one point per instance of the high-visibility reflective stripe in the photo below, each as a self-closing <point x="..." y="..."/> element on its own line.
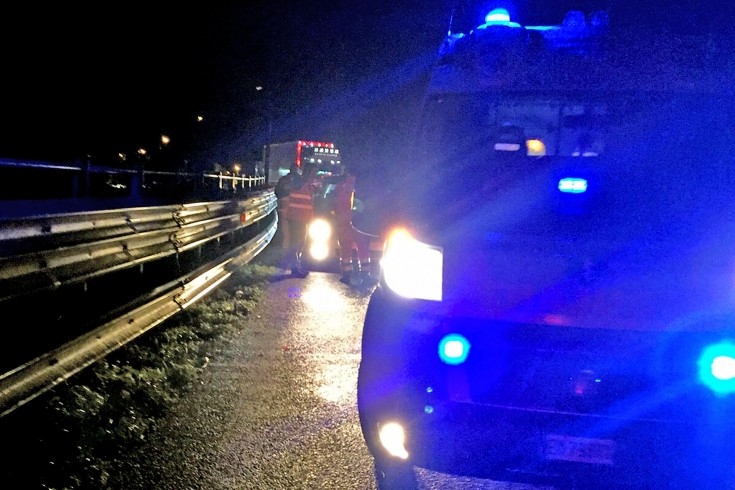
<point x="300" y="205"/>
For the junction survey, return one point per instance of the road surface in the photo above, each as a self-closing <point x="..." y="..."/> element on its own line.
<point x="276" y="408"/>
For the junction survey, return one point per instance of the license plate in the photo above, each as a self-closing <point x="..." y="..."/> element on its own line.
<point x="579" y="449"/>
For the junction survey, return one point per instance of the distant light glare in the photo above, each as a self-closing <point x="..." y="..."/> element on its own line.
<point x="142" y="151"/>
<point x="165" y="139"/>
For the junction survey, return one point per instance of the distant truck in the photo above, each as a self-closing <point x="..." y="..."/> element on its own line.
<point x="280" y="158"/>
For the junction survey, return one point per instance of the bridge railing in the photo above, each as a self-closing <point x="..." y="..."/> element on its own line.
<point x="20" y="180"/>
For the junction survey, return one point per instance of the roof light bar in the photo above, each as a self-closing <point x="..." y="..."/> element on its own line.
<point x="573" y="185"/>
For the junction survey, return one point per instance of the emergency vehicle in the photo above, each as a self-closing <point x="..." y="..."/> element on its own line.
<point x="321" y="250"/>
<point x="281" y="158"/>
<point x="557" y="301"/>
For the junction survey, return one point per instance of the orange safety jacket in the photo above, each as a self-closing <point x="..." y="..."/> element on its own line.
<point x="345" y="195"/>
<point x="300" y="205"/>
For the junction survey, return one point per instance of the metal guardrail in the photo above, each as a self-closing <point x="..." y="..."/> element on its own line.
<point x="30" y="380"/>
<point x="114" y="221"/>
<point x="88" y="245"/>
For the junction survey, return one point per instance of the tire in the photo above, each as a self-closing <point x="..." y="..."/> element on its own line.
<point x="395" y="476"/>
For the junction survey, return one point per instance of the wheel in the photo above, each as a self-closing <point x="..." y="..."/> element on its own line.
<point x="395" y="476"/>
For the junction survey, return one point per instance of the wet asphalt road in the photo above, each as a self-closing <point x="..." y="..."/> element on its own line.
<point x="276" y="408"/>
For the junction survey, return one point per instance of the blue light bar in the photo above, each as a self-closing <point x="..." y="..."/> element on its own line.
<point x="454" y="349"/>
<point x="499" y="16"/>
<point x="717" y="368"/>
<point x="573" y="185"/>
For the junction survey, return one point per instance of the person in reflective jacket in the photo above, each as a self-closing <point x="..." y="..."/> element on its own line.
<point x="283" y="191"/>
<point x="354" y="246"/>
<point x="300" y="211"/>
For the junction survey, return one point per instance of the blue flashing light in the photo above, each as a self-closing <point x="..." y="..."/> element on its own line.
<point x="573" y="185"/>
<point x="497" y="16"/>
<point x="454" y="349"/>
<point x="543" y="28"/>
<point x="717" y="368"/>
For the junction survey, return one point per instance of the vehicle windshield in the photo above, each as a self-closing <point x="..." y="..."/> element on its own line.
<point x="608" y="165"/>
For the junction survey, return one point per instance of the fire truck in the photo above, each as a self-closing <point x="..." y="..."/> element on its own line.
<point x="281" y="158"/>
<point x="321" y="251"/>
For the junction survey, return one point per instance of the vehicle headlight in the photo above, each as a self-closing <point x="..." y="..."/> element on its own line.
<point x="393" y="438"/>
<point x="320" y="230"/>
<point x="319" y="251"/>
<point x="412" y="269"/>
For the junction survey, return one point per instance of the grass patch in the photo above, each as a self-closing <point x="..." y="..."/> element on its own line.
<point x="72" y="440"/>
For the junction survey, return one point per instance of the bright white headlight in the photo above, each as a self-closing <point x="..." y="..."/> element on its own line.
<point x="412" y="269"/>
<point x="320" y="230"/>
<point x="393" y="437"/>
<point x="319" y="251"/>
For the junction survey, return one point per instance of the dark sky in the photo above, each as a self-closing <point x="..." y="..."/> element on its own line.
<point x="98" y="80"/>
<point x="78" y="80"/>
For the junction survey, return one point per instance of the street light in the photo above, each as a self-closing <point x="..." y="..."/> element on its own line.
<point x="236" y="168"/>
<point x="142" y="151"/>
<point x="165" y="139"/>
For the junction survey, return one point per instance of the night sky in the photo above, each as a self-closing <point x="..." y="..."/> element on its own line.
<point x="81" y="80"/>
<point x="111" y="78"/>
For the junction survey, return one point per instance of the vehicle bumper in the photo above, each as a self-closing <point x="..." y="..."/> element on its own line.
<point x="452" y="427"/>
